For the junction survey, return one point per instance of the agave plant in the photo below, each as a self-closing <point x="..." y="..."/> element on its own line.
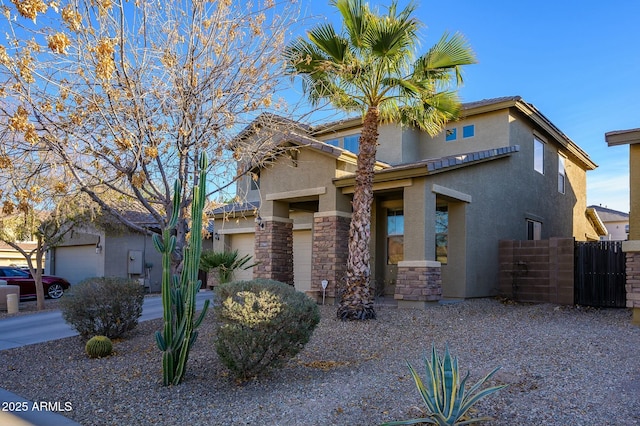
<point x="226" y="262"/>
<point x="445" y="395"/>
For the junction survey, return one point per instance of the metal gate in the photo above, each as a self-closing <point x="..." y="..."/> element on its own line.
<point x="600" y="275"/>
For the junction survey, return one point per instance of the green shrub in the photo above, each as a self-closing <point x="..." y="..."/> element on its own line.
<point x="446" y="399"/>
<point x="226" y="263"/>
<point x="261" y="323"/>
<point x="103" y="306"/>
<point x="98" y="347"/>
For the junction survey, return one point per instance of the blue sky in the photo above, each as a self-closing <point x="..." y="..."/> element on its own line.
<point x="578" y="62"/>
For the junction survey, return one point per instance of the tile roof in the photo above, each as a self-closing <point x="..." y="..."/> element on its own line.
<point x="610" y="215"/>
<point x="441" y="164"/>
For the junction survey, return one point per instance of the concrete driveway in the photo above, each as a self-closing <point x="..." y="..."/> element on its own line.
<point x="41" y="327"/>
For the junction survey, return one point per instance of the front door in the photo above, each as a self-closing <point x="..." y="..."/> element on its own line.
<point x="391" y="247"/>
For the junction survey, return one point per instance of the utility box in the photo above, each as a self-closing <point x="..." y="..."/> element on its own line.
<point x="134" y="264"/>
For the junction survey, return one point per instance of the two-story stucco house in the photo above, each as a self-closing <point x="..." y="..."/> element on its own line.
<point x="502" y="171"/>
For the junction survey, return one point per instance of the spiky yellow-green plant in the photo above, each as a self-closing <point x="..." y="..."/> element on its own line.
<point x="445" y="395"/>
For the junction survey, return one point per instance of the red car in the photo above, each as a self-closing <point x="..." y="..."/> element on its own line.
<point x="54" y="287"/>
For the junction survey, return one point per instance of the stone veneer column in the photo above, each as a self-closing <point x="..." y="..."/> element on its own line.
<point x="330" y="250"/>
<point x="632" y="249"/>
<point x="274" y="250"/>
<point x="418" y="282"/>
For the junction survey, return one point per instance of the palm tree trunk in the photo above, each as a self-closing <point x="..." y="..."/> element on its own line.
<point x="356" y="301"/>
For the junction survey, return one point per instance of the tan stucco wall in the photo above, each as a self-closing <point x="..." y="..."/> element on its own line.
<point x="634" y="192"/>
<point x="491" y="131"/>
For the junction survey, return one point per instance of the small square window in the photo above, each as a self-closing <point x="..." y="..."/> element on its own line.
<point x="334" y="142"/>
<point x="451" y="135"/>
<point x="468" y="131"/>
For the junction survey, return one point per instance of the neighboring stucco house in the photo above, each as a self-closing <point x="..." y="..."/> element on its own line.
<point x="616" y="222"/>
<point x="441" y="204"/>
<point x="90" y="252"/>
<point x="632" y="245"/>
<point x="12" y="257"/>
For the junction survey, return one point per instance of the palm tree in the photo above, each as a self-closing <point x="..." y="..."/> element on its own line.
<point x="370" y="68"/>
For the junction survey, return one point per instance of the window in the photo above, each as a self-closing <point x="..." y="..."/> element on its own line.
<point x="534" y="230"/>
<point x="538" y="156"/>
<point x="451" y="135"/>
<point x="351" y="143"/>
<point x="395" y="236"/>
<point x="442" y="234"/>
<point x="255" y="181"/>
<point x="561" y="174"/>
<point x="334" y="142"/>
<point x="468" y="131"/>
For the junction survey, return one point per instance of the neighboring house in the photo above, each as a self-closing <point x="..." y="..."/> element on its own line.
<point x="12" y="257"/>
<point x="617" y="223"/>
<point x="441" y="204"/>
<point x="90" y="252"/>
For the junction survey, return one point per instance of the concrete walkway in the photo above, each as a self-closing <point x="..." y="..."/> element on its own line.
<point x="35" y="328"/>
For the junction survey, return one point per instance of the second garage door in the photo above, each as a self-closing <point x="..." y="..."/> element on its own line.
<point x="244" y="243"/>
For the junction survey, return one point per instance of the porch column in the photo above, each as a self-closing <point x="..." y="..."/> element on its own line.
<point x="330" y="249"/>
<point x="419" y="282"/>
<point x="632" y="247"/>
<point x="632" y="250"/>
<point x="274" y="249"/>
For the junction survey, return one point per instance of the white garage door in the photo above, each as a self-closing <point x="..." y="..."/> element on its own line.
<point x="75" y="263"/>
<point x="302" y="260"/>
<point x="244" y="243"/>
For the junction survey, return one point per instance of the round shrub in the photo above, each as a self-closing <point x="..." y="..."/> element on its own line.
<point x="108" y="306"/>
<point x="261" y="323"/>
<point x="98" y="347"/>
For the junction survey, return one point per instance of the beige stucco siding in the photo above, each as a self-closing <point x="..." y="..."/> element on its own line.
<point x="491" y="131"/>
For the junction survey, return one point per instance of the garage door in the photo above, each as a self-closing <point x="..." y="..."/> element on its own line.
<point x="75" y="263"/>
<point x="244" y="243"/>
<point x="302" y="260"/>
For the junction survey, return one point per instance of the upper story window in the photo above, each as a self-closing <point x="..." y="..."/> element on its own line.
<point x="468" y="131"/>
<point x="351" y="143"/>
<point x="561" y="174"/>
<point x="538" y="155"/>
<point x="255" y="181"/>
<point x="451" y="134"/>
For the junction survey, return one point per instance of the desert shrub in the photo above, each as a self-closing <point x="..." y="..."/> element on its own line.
<point x="98" y="347"/>
<point x="261" y="323"/>
<point x="107" y="306"/>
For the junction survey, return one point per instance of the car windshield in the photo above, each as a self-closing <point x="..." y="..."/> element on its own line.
<point x="10" y="272"/>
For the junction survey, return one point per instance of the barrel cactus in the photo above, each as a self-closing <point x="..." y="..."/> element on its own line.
<point x="98" y="347"/>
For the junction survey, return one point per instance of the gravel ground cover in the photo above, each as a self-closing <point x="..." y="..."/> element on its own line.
<point x="564" y="366"/>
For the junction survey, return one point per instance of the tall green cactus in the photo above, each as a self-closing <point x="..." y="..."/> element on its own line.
<point x="179" y="292"/>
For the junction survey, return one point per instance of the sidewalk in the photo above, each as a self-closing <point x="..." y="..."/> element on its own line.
<point x="41" y="327"/>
